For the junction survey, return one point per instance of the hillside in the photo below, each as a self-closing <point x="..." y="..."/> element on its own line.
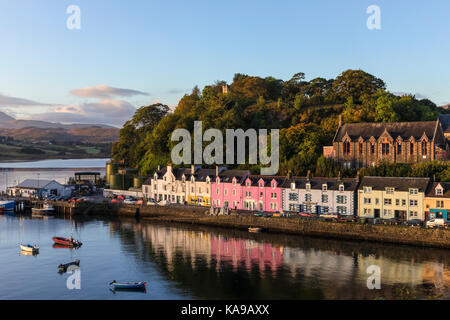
<point x="306" y="112"/>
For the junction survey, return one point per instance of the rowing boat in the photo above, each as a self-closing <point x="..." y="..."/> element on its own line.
<point x="129" y="285"/>
<point x="29" y="247"/>
<point x="64" y="267"/>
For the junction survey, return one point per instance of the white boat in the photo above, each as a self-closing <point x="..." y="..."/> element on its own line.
<point x="254" y="230"/>
<point x="29" y="247"/>
<point x="46" y="210"/>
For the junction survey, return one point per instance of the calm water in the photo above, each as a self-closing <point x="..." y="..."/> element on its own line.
<point x="181" y="262"/>
<point x="59" y="170"/>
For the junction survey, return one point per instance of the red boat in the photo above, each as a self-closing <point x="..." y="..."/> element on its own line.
<point x="66" y="242"/>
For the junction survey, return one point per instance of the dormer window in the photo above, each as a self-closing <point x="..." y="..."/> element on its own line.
<point x="413" y="191"/>
<point x="248" y="183"/>
<point x="367" y="189"/>
<point x="218" y="181"/>
<point x="439" y="191"/>
<point x="274" y="185"/>
<point x="324" y="187"/>
<point x="390" y="190"/>
<point x="234" y="182"/>
<point x="341" y="187"/>
<point x="308" y="186"/>
<point x="261" y="185"/>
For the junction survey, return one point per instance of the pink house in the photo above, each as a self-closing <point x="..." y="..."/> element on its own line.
<point x="263" y="193"/>
<point x="226" y="189"/>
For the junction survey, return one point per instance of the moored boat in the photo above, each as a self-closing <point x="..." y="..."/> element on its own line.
<point x="29" y="247"/>
<point x="66" y="242"/>
<point x="63" y="267"/>
<point x="7" y="205"/>
<point x="254" y="230"/>
<point x="129" y="285"/>
<point x="46" y="210"/>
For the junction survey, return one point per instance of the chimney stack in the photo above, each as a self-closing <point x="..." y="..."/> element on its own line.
<point x="192" y="169"/>
<point x="308" y="175"/>
<point x="217" y="171"/>
<point x="159" y="167"/>
<point x="341" y="121"/>
<point x="289" y="175"/>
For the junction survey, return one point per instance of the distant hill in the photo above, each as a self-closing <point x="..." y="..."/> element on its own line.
<point x="43" y="131"/>
<point x="8" y="122"/>
<point x="91" y="134"/>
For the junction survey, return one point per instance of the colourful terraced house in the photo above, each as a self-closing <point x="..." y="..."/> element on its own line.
<point x="226" y="190"/>
<point x="262" y="193"/>
<point x="437" y="201"/>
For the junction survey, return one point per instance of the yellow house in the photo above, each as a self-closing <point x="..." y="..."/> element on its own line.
<point x="392" y="197"/>
<point x="198" y="186"/>
<point x="437" y="201"/>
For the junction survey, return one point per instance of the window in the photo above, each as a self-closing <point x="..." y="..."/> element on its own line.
<point x="387" y="212"/>
<point x="274" y="185"/>
<point x="387" y="202"/>
<point x="273" y="205"/>
<point x="399" y="148"/>
<point x="325" y="198"/>
<point x="367" y="211"/>
<point x="385" y="148"/>
<point x="360" y="148"/>
<point x="372" y="148"/>
<point x="413" y="213"/>
<point x="226" y="192"/>
<point x="248" y="194"/>
<point x="341" y="199"/>
<point x="308" y="186"/>
<point x="389" y="190"/>
<point x="324" y="187"/>
<point x="293" y="185"/>
<point x="439" y="191"/>
<point x="217" y="191"/>
<point x="341" y="188"/>
<point x="367" y="200"/>
<point x="293" y="196"/>
<point x="261" y="194"/>
<point x="346" y="147"/>
<point x="341" y="210"/>
<point x="424" y="147"/>
<point x="413" y="191"/>
<point x="273" y="195"/>
<point x="403" y="202"/>
<point x="411" y="148"/>
<point x="308" y="197"/>
<point x="234" y="192"/>
<point x="261" y="185"/>
<point x="367" y="189"/>
<point x="397" y="202"/>
<point x="413" y="203"/>
<point x="439" y="204"/>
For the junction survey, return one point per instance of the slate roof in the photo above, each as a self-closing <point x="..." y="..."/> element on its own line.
<point x="35" y="183"/>
<point x="405" y="130"/>
<point x="399" y="183"/>
<point x="267" y="179"/>
<point x="445" y="121"/>
<point x="318" y="182"/>
<point x="431" y="192"/>
<point x="228" y="175"/>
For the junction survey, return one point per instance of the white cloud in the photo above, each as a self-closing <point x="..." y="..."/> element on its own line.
<point x="105" y="92"/>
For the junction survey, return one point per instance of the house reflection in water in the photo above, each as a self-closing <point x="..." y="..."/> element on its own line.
<point x="337" y="269"/>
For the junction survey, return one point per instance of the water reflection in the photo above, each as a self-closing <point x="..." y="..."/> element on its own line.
<point x="223" y="264"/>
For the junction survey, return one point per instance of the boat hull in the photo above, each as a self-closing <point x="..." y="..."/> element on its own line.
<point x="129" y="286"/>
<point x="7" y="205"/>
<point x="29" y="248"/>
<point x="66" y="242"/>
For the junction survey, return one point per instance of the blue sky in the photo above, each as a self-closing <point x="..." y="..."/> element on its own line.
<point x="159" y="50"/>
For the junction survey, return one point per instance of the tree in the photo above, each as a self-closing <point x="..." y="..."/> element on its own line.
<point x="356" y="83"/>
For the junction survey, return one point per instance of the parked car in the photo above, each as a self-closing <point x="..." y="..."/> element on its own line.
<point x="434" y="223"/>
<point x="140" y="201"/>
<point x="129" y="201"/>
<point x="116" y="201"/>
<point x="414" y="223"/>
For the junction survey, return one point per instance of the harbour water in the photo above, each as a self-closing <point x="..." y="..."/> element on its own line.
<point x="12" y="173"/>
<point x="188" y="262"/>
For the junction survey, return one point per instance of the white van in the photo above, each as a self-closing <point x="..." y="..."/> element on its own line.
<point x="437" y="222"/>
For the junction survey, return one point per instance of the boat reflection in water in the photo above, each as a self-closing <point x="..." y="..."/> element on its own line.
<point x="220" y="263"/>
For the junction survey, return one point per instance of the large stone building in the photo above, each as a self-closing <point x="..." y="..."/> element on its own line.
<point x="367" y="144"/>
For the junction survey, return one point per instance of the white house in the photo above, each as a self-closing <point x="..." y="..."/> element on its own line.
<point x="37" y="188"/>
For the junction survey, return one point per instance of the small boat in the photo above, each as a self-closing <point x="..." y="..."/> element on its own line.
<point x="29" y="247"/>
<point x="46" y="210"/>
<point x="254" y="230"/>
<point x="66" y="242"/>
<point x="7" y="205"/>
<point x="62" y="246"/>
<point x="1" y="210"/>
<point x="129" y="285"/>
<point x="28" y="253"/>
<point x="63" y="267"/>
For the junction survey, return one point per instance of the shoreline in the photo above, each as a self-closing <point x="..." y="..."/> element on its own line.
<point x="403" y="235"/>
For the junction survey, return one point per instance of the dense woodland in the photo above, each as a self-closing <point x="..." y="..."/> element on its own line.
<point x="306" y="112"/>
